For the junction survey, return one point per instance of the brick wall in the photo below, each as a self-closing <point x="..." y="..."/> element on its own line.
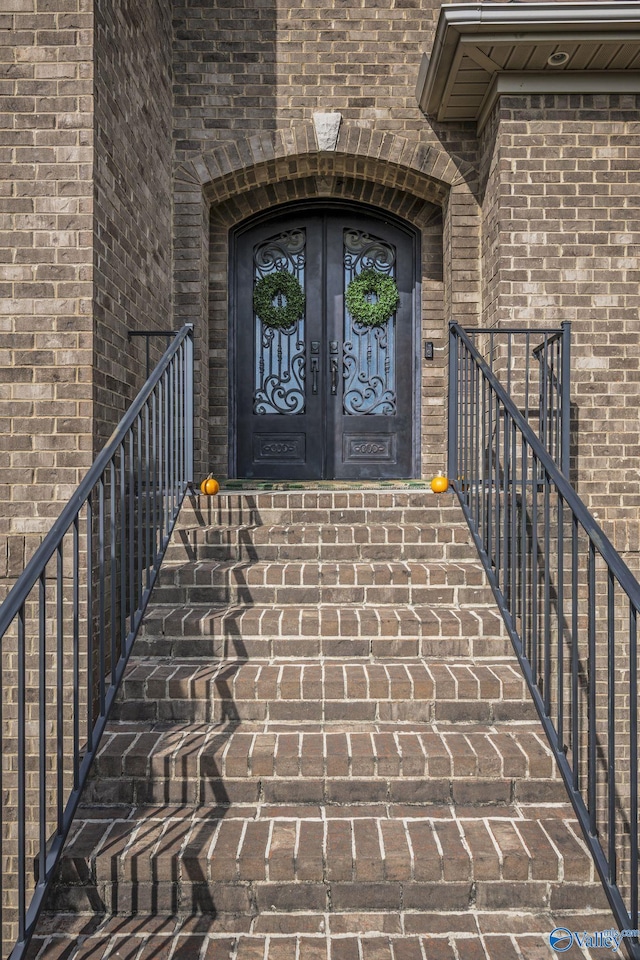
<point x="86" y="240"/>
<point x="265" y="66"/>
<point x="132" y="252"/>
<point x="561" y="241"/>
<point x="46" y="131"/>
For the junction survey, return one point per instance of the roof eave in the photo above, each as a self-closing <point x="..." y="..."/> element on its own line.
<point x="566" y="20"/>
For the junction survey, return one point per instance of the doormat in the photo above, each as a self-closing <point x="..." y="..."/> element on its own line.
<point x="324" y="485"/>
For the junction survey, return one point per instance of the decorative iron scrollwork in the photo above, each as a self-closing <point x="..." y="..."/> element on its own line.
<point x="368" y="352"/>
<point x="279" y="375"/>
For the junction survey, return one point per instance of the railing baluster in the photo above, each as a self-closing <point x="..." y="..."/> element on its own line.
<point x="575" y="660"/>
<point x="513" y="563"/>
<point x="180" y="416"/>
<point x="101" y="596"/>
<point x="189" y="428"/>
<point x="534" y="570"/>
<point x="148" y="556"/>
<point x="565" y="400"/>
<point x="633" y="754"/>
<point x="59" y="695"/>
<point x="154" y="460"/>
<point x="496" y="487"/>
<point x="172" y="436"/>
<point x="161" y="468"/>
<point x="506" y="471"/>
<point x="488" y="548"/>
<point x="524" y="579"/>
<point x="123" y="542"/>
<point x="22" y="791"/>
<point x="527" y="348"/>
<point x="453" y="411"/>
<point x="76" y="652"/>
<point x="560" y="676"/>
<point x="139" y="502"/>
<point x="591" y="687"/>
<point x="166" y="436"/>
<point x="611" y="728"/>
<point x="131" y="558"/>
<point x="90" y="686"/>
<point x="465" y="420"/>
<point x="547" y="592"/>
<point x="477" y="451"/>
<point x="485" y="483"/>
<point x="556" y="405"/>
<point x="544" y="397"/>
<point x="42" y="722"/>
<point x="113" y="564"/>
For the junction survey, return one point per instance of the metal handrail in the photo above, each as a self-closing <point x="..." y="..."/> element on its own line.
<point x="570" y="605"/>
<point x="76" y="637"/>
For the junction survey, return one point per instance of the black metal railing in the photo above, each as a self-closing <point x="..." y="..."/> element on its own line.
<point x="68" y="625"/>
<point x="540" y="390"/>
<point x="570" y="605"/>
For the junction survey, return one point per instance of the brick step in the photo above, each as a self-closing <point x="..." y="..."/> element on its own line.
<point x="197" y="764"/>
<point x="326" y="630"/>
<point x="279" y="691"/>
<point x="295" y="573"/>
<point x="348" y="542"/>
<point x="405" y="935"/>
<point x="322" y="507"/>
<point x="251" y="861"/>
<point x="322" y="582"/>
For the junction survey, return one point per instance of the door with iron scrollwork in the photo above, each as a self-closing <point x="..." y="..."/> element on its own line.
<point x="318" y="393"/>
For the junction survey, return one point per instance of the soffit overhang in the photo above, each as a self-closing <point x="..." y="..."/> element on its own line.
<point x="483" y="50"/>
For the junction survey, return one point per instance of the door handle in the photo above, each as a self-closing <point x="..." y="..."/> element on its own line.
<point x="334" y="375"/>
<point x="315" y="366"/>
<point x="333" y="363"/>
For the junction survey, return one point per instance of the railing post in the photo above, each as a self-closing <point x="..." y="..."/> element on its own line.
<point x="565" y="399"/>
<point x="452" y="430"/>
<point x="189" y="467"/>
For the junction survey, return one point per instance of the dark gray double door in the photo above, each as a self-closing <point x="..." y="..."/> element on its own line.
<point x="327" y="398"/>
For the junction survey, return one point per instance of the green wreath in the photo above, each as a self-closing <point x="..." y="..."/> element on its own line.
<point x="385" y="289"/>
<point x="280" y="284"/>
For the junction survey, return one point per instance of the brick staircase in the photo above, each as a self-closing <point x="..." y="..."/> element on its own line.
<point x="323" y="748"/>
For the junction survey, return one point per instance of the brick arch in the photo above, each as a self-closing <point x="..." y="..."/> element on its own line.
<point x="257" y="168"/>
<point x="385" y="158"/>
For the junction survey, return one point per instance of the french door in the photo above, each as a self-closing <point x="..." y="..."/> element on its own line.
<point x="326" y="397"/>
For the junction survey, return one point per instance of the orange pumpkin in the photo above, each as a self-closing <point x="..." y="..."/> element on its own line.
<point x="209" y="486"/>
<point x="439" y="484"/>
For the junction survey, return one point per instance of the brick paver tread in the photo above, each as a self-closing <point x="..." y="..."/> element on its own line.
<point x="195" y="946"/>
<point x="403" y="936"/>
<point x="435" y="542"/>
<point x="292" y="582"/>
<point x="371" y="750"/>
<point x="325" y="630"/>
<point x="199" y="763"/>
<point x="417" y="690"/>
<point x="286" y="857"/>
